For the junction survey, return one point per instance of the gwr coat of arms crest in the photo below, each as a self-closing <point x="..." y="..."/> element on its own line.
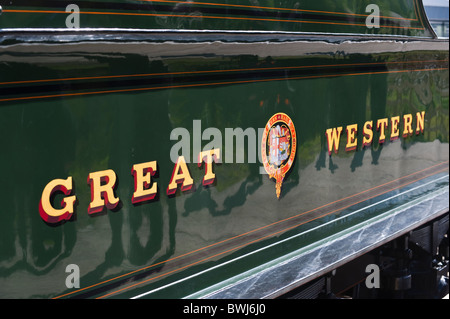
<point x="278" y="147"/>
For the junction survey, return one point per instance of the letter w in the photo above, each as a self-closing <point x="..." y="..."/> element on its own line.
<point x="333" y="137"/>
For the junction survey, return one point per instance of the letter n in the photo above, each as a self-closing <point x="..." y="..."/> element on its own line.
<point x="420" y="116"/>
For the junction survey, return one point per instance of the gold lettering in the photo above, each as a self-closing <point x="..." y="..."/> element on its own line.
<point x="367" y="133"/>
<point x="180" y="175"/>
<point x="208" y="157"/>
<point x="420" y="122"/>
<point x="395" y="131"/>
<point x="102" y="185"/>
<point x="352" y="141"/>
<point x="381" y="126"/>
<point x="333" y="137"/>
<point x="407" y="125"/>
<point x="142" y="179"/>
<point x="50" y="214"/>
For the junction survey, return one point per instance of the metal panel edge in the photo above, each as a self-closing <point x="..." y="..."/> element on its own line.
<point x="363" y="238"/>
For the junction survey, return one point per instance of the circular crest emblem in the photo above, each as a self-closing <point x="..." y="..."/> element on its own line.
<point x="278" y="147"/>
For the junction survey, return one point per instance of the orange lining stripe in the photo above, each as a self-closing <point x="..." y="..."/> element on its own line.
<point x="215" y="71"/>
<point x="260" y="228"/>
<point x="204" y="17"/>
<point x="209" y="84"/>
<point x="416" y="11"/>
<point x="274" y="8"/>
<point x="266" y="236"/>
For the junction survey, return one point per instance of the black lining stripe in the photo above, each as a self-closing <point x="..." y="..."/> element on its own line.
<point x="163" y="80"/>
<point x="180" y="84"/>
<point x="183" y="78"/>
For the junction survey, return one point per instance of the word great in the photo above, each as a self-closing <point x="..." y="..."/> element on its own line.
<point x="102" y="185"/>
<point x="333" y="135"/>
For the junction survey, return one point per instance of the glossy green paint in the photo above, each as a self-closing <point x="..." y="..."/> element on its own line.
<point x="74" y="105"/>
<point x="400" y="18"/>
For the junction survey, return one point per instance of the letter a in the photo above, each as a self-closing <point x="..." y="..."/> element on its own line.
<point x="73" y="19"/>
<point x="373" y="279"/>
<point x="180" y="175"/>
<point x="373" y="19"/>
<point x="73" y="280"/>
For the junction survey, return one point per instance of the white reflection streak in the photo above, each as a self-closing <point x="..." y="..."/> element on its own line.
<point x="284" y="240"/>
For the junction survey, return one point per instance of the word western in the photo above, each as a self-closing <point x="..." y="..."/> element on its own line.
<point x="102" y="184"/>
<point x="333" y="135"/>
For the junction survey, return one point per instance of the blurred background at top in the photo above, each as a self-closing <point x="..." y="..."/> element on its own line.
<point x="437" y="12"/>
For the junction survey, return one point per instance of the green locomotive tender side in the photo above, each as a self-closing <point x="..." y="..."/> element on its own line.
<point x="222" y="149"/>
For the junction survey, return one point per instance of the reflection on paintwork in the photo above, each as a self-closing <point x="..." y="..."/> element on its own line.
<point x="325" y="16"/>
<point x="72" y="106"/>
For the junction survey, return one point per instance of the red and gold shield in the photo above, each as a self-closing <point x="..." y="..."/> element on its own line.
<point x="278" y="148"/>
